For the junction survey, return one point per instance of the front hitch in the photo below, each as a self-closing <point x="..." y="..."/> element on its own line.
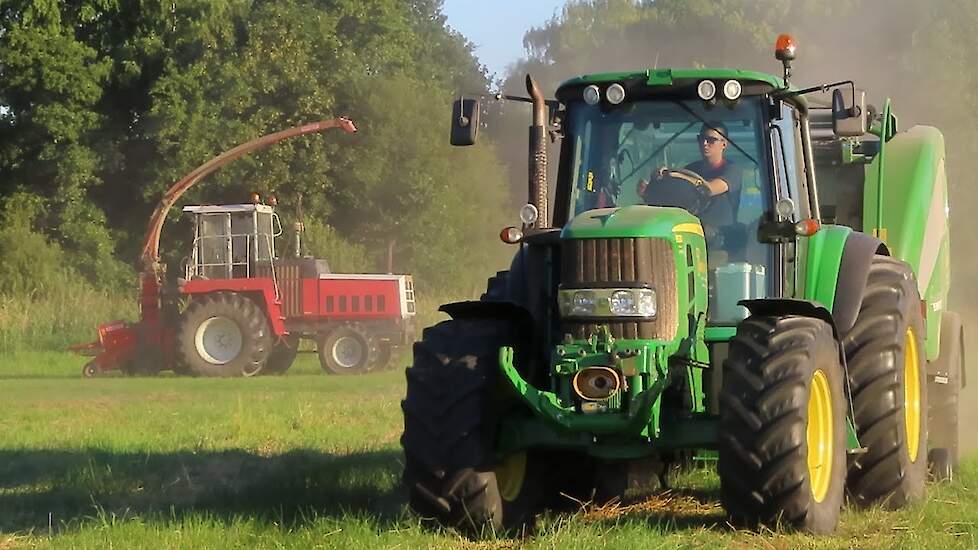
<point x="548" y="405"/>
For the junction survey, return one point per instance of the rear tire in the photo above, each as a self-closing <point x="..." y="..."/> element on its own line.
<point x="888" y="378"/>
<point x="223" y="334"/>
<point x="940" y="466"/>
<point x="345" y="350"/>
<point x="282" y="356"/>
<point x="782" y="425"/>
<point x="450" y="421"/>
<point x="383" y="351"/>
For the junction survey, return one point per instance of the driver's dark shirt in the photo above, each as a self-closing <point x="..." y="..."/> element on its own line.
<point x="722" y="208"/>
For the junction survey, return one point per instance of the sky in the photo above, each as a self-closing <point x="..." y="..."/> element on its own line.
<point x="496" y="27"/>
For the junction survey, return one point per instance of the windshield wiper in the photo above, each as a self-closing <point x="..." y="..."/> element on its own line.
<point x="659" y="150"/>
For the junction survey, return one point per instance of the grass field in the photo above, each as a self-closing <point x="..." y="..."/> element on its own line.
<point x="308" y="460"/>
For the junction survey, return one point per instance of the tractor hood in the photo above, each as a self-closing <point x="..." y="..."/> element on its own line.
<point x="631" y="222"/>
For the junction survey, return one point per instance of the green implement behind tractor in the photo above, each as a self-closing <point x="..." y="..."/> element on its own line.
<point x="796" y="328"/>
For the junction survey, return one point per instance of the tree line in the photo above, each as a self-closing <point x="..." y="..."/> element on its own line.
<point x="103" y="103"/>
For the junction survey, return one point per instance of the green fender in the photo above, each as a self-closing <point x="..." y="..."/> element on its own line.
<point x="822" y="264"/>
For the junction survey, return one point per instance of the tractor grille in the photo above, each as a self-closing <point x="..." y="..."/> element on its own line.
<point x="605" y="263"/>
<point x="287" y="275"/>
<point x="290" y="287"/>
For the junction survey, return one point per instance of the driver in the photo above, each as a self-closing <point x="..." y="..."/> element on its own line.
<point x="721" y="175"/>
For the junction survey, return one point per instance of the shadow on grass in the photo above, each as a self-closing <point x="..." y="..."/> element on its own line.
<point x="287" y="490"/>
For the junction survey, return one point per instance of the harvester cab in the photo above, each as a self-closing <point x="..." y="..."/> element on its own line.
<point x="685" y="295"/>
<point x="232" y="241"/>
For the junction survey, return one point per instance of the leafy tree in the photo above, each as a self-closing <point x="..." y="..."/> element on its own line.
<point x="106" y="102"/>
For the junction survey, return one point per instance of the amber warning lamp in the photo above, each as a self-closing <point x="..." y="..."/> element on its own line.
<point x="255" y="198"/>
<point x="807" y="228"/>
<point x="784" y="51"/>
<point x="511" y="235"/>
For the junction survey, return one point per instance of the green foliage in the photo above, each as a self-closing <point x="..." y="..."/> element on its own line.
<point x="107" y="102"/>
<point x="322" y="241"/>
<point x="32" y="265"/>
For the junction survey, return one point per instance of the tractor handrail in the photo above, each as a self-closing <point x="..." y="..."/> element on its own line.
<point x="150" y="257"/>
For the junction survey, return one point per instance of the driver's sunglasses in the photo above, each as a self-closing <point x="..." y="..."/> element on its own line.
<point x="710" y="140"/>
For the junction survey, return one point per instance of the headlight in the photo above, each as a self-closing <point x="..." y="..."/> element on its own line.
<point x="608" y="302"/>
<point x="732" y="90"/>
<point x="615" y="93"/>
<point x="706" y="90"/>
<point x="592" y="95"/>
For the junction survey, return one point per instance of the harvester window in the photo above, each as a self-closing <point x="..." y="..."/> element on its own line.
<point x="264" y="238"/>
<point x="242" y="230"/>
<point x="214" y="245"/>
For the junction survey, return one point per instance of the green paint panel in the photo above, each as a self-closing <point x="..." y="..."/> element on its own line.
<point x="914" y="215"/>
<point x="824" y="258"/>
<point x="720" y="334"/>
<point x="631" y="221"/>
<point x="666" y="77"/>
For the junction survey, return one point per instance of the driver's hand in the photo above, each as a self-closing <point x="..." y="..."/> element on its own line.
<point x="641" y="187"/>
<point x="660" y="172"/>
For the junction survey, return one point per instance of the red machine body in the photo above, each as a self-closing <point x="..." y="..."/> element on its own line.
<point x="239" y="309"/>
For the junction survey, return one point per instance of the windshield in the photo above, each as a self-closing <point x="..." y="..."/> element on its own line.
<point x="712" y="160"/>
<point x="613" y="150"/>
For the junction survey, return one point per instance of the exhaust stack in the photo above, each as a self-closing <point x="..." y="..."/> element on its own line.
<point x="538" y="155"/>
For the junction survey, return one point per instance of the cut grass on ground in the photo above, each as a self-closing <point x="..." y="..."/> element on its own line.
<point x="309" y="460"/>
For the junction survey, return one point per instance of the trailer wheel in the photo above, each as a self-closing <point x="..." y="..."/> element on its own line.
<point x="346" y="350"/>
<point x="888" y="377"/>
<point x="90" y="370"/>
<point x="782" y="425"/>
<point x="450" y="421"/>
<point x="223" y="334"/>
<point x="282" y="356"/>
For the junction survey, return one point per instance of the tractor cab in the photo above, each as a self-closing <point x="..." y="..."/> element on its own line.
<point x="232" y="241"/>
<point x="717" y="144"/>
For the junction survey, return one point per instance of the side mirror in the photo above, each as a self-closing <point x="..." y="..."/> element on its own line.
<point x="465" y="121"/>
<point x="848" y="120"/>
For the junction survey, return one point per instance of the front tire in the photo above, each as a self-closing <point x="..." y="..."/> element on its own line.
<point x="888" y="378"/>
<point x="346" y="350"/>
<point x="223" y="334"/>
<point x="451" y="414"/>
<point x="782" y="425"/>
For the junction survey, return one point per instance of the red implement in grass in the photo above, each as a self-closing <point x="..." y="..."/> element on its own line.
<point x="238" y="310"/>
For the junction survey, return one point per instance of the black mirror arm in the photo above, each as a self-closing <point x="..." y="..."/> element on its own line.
<point x="853" y="111"/>
<point x="774" y="232"/>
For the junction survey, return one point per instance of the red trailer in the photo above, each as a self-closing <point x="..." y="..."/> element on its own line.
<point x="239" y="310"/>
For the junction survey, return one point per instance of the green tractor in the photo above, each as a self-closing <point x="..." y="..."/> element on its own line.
<point x="682" y="303"/>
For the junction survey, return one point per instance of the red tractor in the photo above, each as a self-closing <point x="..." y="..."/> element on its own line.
<point x="238" y="310"/>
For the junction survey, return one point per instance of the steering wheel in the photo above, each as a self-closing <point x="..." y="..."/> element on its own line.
<point x="680" y="188"/>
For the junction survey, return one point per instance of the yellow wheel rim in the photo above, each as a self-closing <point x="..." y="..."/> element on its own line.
<point x="819" y="435"/>
<point x="510" y="475"/>
<point x="911" y="394"/>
